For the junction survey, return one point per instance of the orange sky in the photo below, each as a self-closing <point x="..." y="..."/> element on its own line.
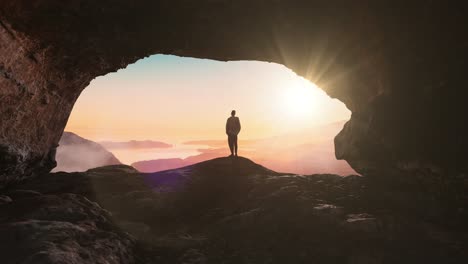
<point x="172" y="99"/>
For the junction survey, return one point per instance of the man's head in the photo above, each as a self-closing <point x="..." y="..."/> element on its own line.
<point x="233" y="112"/>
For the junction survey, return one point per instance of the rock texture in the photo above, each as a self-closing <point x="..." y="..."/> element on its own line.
<point x="177" y="179"/>
<point x="62" y="228"/>
<point x="226" y="211"/>
<point x="399" y="67"/>
<point x="79" y="154"/>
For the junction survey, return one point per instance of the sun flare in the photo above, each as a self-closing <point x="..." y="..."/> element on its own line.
<point x="301" y="99"/>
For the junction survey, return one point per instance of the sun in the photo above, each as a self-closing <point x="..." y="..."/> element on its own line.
<point x="300" y="99"/>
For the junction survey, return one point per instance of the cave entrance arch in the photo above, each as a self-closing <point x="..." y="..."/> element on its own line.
<point x="60" y="61"/>
<point x="288" y="122"/>
<point x="373" y="57"/>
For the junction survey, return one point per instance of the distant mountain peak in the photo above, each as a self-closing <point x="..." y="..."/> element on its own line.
<point x="75" y="153"/>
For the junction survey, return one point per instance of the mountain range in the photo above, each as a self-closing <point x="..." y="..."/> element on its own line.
<point x="166" y="164"/>
<point x="302" y="152"/>
<point x="135" y="144"/>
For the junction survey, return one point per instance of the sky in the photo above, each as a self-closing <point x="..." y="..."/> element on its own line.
<point x="175" y="99"/>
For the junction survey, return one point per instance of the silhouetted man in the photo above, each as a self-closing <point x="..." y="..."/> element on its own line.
<point x="233" y="128"/>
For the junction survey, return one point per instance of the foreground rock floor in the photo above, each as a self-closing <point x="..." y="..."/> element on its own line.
<point x="225" y="211"/>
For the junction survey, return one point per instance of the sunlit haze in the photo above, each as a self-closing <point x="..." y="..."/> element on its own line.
<point x="172" y="98"/>
<point x="175" y="99"/>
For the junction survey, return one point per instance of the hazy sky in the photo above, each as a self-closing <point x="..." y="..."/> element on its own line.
<point x="175" y="99"/>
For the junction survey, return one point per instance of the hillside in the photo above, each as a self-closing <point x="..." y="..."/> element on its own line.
<point x="79" y="154"/>
<point x="156" y="165"/>
<point x="212" y="170"/>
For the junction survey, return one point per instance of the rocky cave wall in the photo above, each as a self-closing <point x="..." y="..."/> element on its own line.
<point x="400" y="68"/>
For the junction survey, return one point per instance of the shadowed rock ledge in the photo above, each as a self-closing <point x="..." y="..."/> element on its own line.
<point x="61" y="228"/>
<point x="225" y="210"/>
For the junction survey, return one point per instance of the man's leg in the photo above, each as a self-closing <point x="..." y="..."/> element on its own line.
<point x="231" y="144"/>
<point x="235" y="145"/>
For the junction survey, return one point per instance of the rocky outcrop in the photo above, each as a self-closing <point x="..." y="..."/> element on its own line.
<point x="176" y="179"/>
<point x="64" y="228"/>
<point x="399" y="67"/>
<point x="75" y="153"/>
<point x="228" y="211"/>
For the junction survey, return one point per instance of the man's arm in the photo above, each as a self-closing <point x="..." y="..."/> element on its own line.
<point x="227" y="127"/>
<point x="238" y="125"/>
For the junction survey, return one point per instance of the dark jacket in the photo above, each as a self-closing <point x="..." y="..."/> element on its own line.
<point x="233" y="126"/>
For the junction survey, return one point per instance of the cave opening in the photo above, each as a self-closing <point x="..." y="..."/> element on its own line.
<point x="165" y="111"/>
<point x="400" y="69"/>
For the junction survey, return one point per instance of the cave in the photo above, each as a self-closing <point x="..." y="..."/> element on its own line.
<point x="376" y="58"/>
<point x="399" y="67"/>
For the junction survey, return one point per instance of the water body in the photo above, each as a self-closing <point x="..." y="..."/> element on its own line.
<point x="129" y="156"/>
